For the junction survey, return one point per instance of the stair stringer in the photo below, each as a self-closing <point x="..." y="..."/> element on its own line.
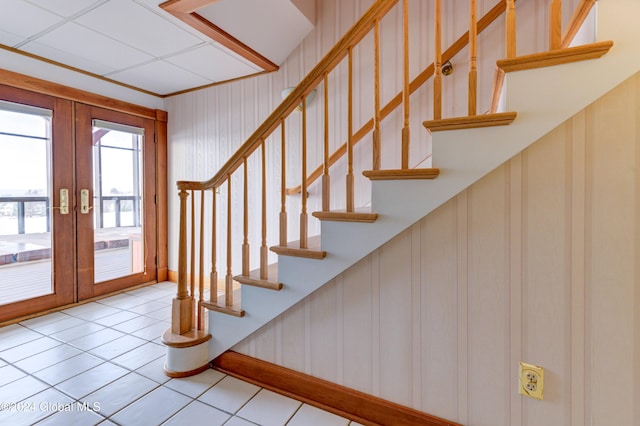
<point x="544" y="98"/>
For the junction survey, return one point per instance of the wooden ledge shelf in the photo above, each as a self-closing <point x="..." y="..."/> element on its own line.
<point x="471" y="122"/>
<point x="255" y="281"/>
<point x="233" y="310"/>
<point x="298" y="252"/>
<point x="556" y="57"/>
<point x="187" y="340"/>
<point x="402" y="174"/>
<point x="342" y="216"/>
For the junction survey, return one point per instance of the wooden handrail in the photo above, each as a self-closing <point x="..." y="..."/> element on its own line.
<point x="416" y="83"/>
<point x="306" y="86"/>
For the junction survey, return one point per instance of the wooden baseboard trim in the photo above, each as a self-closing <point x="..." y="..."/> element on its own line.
<point x="340" y="400"/>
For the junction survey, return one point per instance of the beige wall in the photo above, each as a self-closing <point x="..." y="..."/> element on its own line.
<point x="537" y="262"/>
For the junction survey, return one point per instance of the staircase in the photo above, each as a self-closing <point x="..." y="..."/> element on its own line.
<point x="464" y="149"/>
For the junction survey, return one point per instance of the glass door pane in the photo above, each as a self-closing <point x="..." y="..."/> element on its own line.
<point x="115" y="189"/>
<point x="25" y="203"/>
<point x="117" y="200"/>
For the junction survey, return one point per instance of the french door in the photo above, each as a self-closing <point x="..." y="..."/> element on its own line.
<point x="77" y="202"/>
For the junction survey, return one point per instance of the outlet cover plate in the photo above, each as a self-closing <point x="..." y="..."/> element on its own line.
<point x="531" y="381"/>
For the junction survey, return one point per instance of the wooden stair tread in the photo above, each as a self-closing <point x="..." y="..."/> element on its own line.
<point x="471" y="122"/>
<point x="253" y="279"/>
<point x="555" y="57"/>
<point x="313" y="250"/>
<point x="187" y="340"/>
<point x="219" y="305"/>
<point x="401" y="174"/>
<point x="344" y="216"/>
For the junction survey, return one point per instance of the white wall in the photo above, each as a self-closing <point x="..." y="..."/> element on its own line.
<point x="207" y="126"/>
<point x="537" y="262"/>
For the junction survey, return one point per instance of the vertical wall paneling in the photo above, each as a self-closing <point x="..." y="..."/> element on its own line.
<point x="544" y="299"/>
<point x="416" y="304"/>
<point x="395" y="319"/>
<point x="576" y="142"/>
<point x="375" y="323"/>
<point x="487" y="302"/>
<point x="612" y="260"/>
<point x="439" y="313"/>
<point x="514" y="168"/>
<point x="537" y="262"/>
<point x="462" y="281"/>
<point x="636" y="283"/>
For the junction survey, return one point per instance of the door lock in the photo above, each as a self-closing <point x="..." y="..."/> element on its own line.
<point x="64" y="201"/>
<point x="84" y="201"/>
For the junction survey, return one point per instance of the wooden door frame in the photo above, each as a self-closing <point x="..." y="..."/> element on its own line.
<point x="62" y="166"/>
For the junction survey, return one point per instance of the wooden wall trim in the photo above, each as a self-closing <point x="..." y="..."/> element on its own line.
<point x="33" y="84"/>
<point x="162" y="202"/>
<point x="340" y="400"/>
<point x="185" y="10"/>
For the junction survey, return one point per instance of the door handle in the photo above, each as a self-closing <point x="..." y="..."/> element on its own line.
<point x="84" y="201"/>
<point x="64" y="201"/>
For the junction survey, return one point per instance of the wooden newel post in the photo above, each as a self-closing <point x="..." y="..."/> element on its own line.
<point x="182" y="309"/>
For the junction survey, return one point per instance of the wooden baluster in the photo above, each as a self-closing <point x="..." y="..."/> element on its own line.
<point x="228" y="283"/>
<point x="303" y="212"/>
<point x="200" y="313"/>
<point x="376" y="89"/>
<point x="283" y="188"/>
<point x="511" y="28"/>
<point x="555" y="25"/>
<point x="245" y="241"/>
<point x="213" y="284"/>
<point x="264" y="251"/>
<point x="326" y="188"/>
<point x="192" y="278"/>
<point x="182" y="305"/>
<point x="405" y="92"/>
<point x="473" y="57"/>
<point x="350" y="203"/>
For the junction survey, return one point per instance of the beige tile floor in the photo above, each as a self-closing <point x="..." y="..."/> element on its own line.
<point x="101" y="363"/>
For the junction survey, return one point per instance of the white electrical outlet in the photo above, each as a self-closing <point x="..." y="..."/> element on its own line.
<point x="531" y="380"/>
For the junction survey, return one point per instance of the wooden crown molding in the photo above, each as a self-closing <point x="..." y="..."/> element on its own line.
<point x="185" y="10"/>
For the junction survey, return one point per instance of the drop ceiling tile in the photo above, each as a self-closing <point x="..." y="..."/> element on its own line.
<point x="74" y="45"/>
<point x="138" y="27"/>
<point x="159" y="77"/>
<point x="213" y="62"/>
<point x="65" y="8"/>
<point x="9" y="39"/>
<point x="24" y="19"/>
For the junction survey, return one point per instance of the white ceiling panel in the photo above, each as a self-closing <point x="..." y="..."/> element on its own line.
<point x="66" y="8"/>
<point x="159" y="77"/>
<point x="139" y="27"/>
<point x="213" y="63"/>
<point x="274" y="28"/>
<point x="24" y="19"/>
<point x="79" y="47"/>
